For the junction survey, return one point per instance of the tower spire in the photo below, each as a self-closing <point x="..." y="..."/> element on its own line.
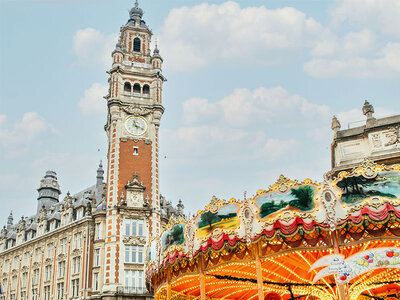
<point x="10" y="220"/>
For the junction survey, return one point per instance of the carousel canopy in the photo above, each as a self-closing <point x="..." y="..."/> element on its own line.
<point x="295" y="240"/>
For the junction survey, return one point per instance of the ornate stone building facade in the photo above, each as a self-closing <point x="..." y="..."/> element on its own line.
<point x="377" y="140"/>
<point x="91" y="244"/>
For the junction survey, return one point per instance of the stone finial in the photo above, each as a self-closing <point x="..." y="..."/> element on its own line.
<point x="335" y="125"/>
<point x="180" y="207"/>
<point x="43" y="214"/>
<point x="3" y="232"/>
<point x="368" y="110"/>
<point x="21" y="224"/>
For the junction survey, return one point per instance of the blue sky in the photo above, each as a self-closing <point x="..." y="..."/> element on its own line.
<point x="252" y="86"/>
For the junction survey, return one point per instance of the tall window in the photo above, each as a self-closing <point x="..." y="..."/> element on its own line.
<point x="134" y="254"/>
<point x="35" y="294"/>
<point x="50" y="250"/>
<point x="134" y="281"/>
<point x="16" y="262"/>
<point x="63" y="245"/>
<point x="61" y="269"/>
<point x="95" y="281"/>
<point x="77" y="240"/>
<point x="4" y="286"/>
<point x="47" y="271"/>
<point x="98" y="231"/>
<point x="76" y="264"/>
<point x="136" y="44"/>
<point x="134" y="227"/>
<point x="35" y="277"/>
<point x="14" y="282"/>
<point x="96" y="257"/>
<point x="47" y="292"/>
<point x="24" y="279"/>
<point x="75" y="287"/>
<point x="26" y="258"/>
<point x="60" y="290"/>
<point x="37" y="253"/>
<point x="23" y="295"/>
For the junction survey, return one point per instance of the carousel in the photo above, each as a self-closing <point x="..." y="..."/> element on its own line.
<point x="338" y="239"/>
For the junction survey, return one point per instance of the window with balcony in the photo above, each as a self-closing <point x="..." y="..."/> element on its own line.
<point x="134" y="282"/>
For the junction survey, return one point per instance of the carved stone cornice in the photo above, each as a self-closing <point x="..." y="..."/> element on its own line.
<point x="135" y="185"/>
<point x="134" y="240"/>
<point x="35" y="265"/>
<point x="76" y="252"/>
<point x="137" y="110"/>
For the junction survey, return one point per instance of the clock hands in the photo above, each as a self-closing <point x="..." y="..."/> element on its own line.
<point x="137" y="125"/>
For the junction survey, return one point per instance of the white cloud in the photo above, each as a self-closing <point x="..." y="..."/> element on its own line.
<point x="264" y="105"/>
<point x="385" y="64"/>
<point x="246" y="124"/>
<point x="381" y="15"/>
<point x="93" y="47"/>
<point x="93" y="101"/>
<point x="194" y="37"/>
<point x="22" y="132"/>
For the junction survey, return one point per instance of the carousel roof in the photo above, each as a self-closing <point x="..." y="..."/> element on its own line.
<point x="293" y="240"/>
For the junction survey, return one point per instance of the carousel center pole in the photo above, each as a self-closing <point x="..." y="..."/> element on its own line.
<point x="260" y="286"/>
<point x="169" y="296"/>
<point x="336" y="250"/>
<point x="202" y="279"/>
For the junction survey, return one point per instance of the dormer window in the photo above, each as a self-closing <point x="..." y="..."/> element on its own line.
<point x="136" y="44"/>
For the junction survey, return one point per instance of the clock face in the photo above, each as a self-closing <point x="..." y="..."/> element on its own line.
<point x="136" y="125"/>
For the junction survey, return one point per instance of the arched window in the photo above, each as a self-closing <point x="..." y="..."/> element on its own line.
<point x="136" y="89"/>
<point x="136" y="44"/>
<point x="127" y="88"/>
<point x="146" y="90"/>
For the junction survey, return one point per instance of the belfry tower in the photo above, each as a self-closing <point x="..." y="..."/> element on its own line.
<point x="134" y="113"/>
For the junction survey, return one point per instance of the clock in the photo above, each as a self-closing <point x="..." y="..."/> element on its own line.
<point x="136" y="125"/>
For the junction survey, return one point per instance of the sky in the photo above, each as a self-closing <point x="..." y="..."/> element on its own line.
<point x="251" y="91"/>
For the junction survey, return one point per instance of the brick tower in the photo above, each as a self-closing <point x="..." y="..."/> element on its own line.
<point x="134" y="113"/>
